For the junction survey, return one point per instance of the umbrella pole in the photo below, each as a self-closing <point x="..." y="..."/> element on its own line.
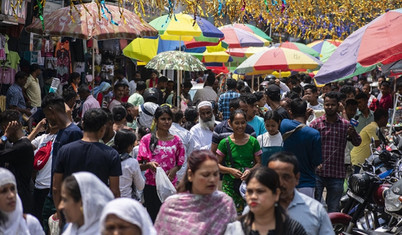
<point x="178" y="90"/>
<point x="93" y="64"/>
<point x="252" y="83"/>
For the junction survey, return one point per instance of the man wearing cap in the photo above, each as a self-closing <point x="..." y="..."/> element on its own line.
<point x="202" y="132"/>
<point x="273" y="93"/>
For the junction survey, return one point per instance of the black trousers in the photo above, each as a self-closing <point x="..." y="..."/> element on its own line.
<point x="39" y="196"/>
<point x="151" y="201"/>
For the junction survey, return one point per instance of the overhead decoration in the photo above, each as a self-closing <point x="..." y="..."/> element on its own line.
<point x="307" y="19"/>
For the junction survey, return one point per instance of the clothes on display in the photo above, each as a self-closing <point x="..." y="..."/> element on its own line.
<point x="63" y="56"/>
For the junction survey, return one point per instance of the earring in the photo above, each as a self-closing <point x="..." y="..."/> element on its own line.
<point x="276" y="204"/>
<point x="81" y="209"/>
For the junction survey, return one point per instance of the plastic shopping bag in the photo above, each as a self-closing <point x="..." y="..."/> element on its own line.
<point x="164" y="187"/>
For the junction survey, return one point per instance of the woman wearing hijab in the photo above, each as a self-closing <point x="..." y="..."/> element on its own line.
<point x="127" y="216"/>
<point x="198" y="208"/>
<point x="12" y="220"/>
<point x="83" y="197"/>
<point x="100" y="92"/>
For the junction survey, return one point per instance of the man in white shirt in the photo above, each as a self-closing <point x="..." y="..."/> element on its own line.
<point x="304" y="209"/>
<point x="184" y="135"/>
<point x="202" y="132"/>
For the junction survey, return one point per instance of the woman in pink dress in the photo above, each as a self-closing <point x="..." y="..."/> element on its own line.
<point x="159" y="149"/>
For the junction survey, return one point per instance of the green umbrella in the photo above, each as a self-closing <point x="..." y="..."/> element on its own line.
<point x="175" y="60"/>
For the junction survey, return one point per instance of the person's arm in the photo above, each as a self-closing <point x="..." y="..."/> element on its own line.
<point x="56" y="190"/>
<point x="172" y="172"/>
<point x="21" y="110"/>
<point x="227" y="170"/>
<point x="114" y="185"/>
<point x="214" y="147"/>
<point x="138" y="180"/>
<point x="354" y="136"/>
<point x="316" y="153"/>
<point x="39" y="128"/>
<point x="149" y="165"/>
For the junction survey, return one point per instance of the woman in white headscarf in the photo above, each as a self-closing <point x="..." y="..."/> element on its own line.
<point x="83" y="197"/>
<point x="12" y="220"/>
<point x="127" y="216"/>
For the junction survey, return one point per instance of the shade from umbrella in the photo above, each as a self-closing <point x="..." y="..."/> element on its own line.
<point x="181" y="27"/>
<point x="377" y="42"/>
<point x="299" y="47"/>
<point x="282" y="59"/>
<point x="237" y="38"/>
<point x="175" y="60"/>
<point x="88" y="24"/>
<point x="253" y="29"/>
<point x="325" y="48"/>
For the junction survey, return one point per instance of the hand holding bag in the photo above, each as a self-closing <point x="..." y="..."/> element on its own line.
<point x="164" y="187"/>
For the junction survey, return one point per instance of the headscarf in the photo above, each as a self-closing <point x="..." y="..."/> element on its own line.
<point x="130" y="211"/>
<point x="94" y="195"/>
<point x="101" y="88"/>
<point x="204" y="104"/>
<point x="15" y="223"/>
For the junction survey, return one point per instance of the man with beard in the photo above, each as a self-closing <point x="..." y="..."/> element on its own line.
<point x="202" y="132"/>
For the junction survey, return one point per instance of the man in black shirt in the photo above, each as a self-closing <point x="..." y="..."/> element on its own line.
<point x="273" y="93"/>
<point x="89" y="155"/>
<point x="16" y="154"/>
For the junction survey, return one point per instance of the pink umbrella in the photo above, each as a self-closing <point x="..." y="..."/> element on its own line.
<point x="237" y="38"/>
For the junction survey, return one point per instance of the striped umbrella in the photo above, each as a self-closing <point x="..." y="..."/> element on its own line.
<point x="325" y="48"/>
<point x="237" y="38"/>
<point x="253" y="29"/>
<point x="299" y="47"/>
<point x="282" y="59"/>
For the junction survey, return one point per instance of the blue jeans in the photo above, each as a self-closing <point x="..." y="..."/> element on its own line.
<point x="334" y="188"/>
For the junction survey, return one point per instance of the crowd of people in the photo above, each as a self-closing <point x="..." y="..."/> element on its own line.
<point x="83" y="159"/>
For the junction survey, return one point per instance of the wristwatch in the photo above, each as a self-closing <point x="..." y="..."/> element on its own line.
<point x="4" y="138"/>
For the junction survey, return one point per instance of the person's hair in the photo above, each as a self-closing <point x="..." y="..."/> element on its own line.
<point x="240" y="85"/>
<point x="177" y="114"/>
<point x="332" y="95"/>
<point x="234" y="103"/>
<point x="83" y="88"/>
<point x="187" y="85"/>
<point x="108" y="114"/>
<point x="259" y="95"/>
<point x="379" y="113"/>
<point x="191" y="114"/>
<point x="311" y="87"/>
<point x="286" y="157"/>
<point x="272" y="115"/>
<point x="54" y="100"/>
<point x="119" y="72"/>
<point x="142" y="131"/>
<point x="94" y="120"/>
<point x="274" y="96"/>
<point x="141" y="86"/>
<point x="250" y="98"/>
<point x="118" y="85"/>
<point x="72" y="188"/>
<point x="69" y="94"/>
<point x="298" y="89"/>
<point x="210" y="80"/>
<point x="233" y="114"/>
<point x="245" y="90"/>
<point x="162" y="79"/>
<point x="292" y="95"/>
<point x="158" y="113"/>
<point x="194" y="161"/>
<point x="386" y="84"/>
<point x="347" y="89"/>
<point x="33" y="67"/>
<point x="72" y="76"/>
<point x="361" y="95"/>
<point x="119" y="113"/>
<point x="306" y="78"/>
<point x="270" y="179"/>
<point x="9" y="115"/>
<point x="127" y="105"/>
<point x="123" y="139"/>
<point x="298" y="107"/>
<point x="350" y="102"/>
<point x="231" y="84"/>
<point x="20" y="75"/>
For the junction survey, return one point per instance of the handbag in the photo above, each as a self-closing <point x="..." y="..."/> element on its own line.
<point x="236" y="182"/>
<point x="42" y="156"/>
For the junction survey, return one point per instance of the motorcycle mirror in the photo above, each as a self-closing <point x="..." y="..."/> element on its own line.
<point x="381" y="137"/>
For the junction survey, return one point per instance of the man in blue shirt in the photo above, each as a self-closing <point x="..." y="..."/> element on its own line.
<point x="305" y="143"/>
<point x="15" y="98"/>
<point x="253" y="120"/>
<point x="224" y="99"/>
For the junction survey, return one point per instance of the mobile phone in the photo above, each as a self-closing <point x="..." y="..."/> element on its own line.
<point x="354" y="122"/>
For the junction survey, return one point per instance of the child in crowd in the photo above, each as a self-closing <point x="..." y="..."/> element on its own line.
<point x="270" y="141"/>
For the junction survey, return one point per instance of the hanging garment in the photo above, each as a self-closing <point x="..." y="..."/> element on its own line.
<point x="63" y="60"/>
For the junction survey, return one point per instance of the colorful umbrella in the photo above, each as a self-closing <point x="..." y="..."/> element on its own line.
<point x="212" y="57"/>
<point x="175" y="60"/>
<point x="325" y="48"/>
<point x="245" y="51"/>
<point x="282" y="59"/>
<point x="299" y="47"/>
<point x="253" y="29"/>
<point x="85" y="25"/>
<point x="377" y="42"/>
<point x="240" y="38"/>
<point x="181" y="27"/>
<point x="145" y="49"/>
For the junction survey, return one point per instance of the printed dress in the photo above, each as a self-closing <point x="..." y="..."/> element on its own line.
<point x="243" y="158"/>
